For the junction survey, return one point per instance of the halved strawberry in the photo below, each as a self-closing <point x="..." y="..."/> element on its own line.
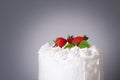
<point x="60" y="42"/>
<point x="70" y="39"/>
<point x="77" y="40"/>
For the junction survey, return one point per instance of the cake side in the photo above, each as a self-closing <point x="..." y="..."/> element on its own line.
<point x="70" y="59"/>
<point x="57" y="63"/>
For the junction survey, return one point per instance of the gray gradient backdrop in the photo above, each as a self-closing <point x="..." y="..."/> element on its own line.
<point x="25" y="25"/>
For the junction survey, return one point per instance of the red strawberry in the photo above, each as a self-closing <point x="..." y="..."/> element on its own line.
<point x="77" y="40"/>
<point x="60" y="42"/>
<point x="70" y="39"/>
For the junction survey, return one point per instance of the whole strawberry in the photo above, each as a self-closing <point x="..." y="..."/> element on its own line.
<point x="70" y="39"/>
<point x="77" y="40"/>
<point x="60" y="42"/>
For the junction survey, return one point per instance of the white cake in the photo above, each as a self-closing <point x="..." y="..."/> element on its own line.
<point x="57" y="63"/>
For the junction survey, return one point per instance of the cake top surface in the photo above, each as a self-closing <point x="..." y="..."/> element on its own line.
<point x="72" y="47"/>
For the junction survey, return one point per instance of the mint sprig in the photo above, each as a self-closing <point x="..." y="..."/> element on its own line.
<point x="68" y="46"/>
<point x="84" y="44"/>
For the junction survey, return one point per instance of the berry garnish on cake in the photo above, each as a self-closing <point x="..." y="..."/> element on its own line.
<point x="71" y="41"/>
<point x="60" y="42"/>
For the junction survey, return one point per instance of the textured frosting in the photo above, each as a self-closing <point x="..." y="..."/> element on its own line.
<point x="57" y="63"/>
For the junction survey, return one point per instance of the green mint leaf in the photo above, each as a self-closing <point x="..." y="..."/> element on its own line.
<point x="75" y="43"/>
<point x="68" y="46"/>
<point x="84" y="44"/>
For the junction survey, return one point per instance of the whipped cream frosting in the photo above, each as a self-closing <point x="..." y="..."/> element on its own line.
<point x="57" y="63"/>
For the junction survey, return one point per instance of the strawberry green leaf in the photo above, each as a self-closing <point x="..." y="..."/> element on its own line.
<point x="68" y="46"/>
<point x="85" y="37"/>
<point x="84" y="44"/>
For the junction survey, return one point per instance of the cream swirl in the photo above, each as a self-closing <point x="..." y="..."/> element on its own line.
<point x="75" y="52"/>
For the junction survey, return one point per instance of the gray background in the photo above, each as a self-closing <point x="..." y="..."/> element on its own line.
<point x="25" y="25"/>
